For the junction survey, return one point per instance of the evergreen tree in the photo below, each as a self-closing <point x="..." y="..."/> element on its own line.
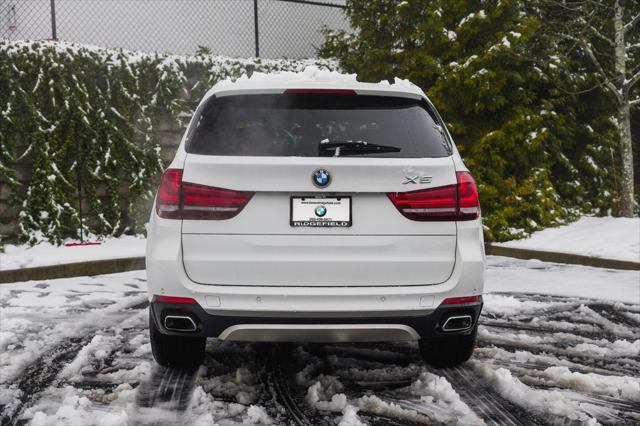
<point x="485" y="64"/>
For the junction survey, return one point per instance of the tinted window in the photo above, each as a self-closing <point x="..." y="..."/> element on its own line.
<point x="295" y="125"/>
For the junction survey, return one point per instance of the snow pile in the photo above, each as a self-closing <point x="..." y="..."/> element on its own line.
<point x="350" y="417"/>
<point x="438" y="401"/>
<point x="505" y="306"/>
<point x="323" y="394"/>
<point x="45" y="254"/>
<point x="618" y="348"/>
<point x="607" y="237"/>
<point x="258" y="415"/>
<point x="79" y="410"/>
<point x="205" y="409"/>
<point x="376" y="405"/>
<point x="238" y="385"/>
<point x="385" y="372"/>
<point x="95" y="352"/>
<point x="436" y="390"/>
<point x="544" y="402"/>
<point x="616" y="386"/>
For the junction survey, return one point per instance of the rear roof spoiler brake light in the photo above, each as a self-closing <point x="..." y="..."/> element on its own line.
<point x="320" y="92"/>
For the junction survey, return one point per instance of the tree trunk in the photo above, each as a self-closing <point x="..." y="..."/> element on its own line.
<point x="624" y="113"/>
<point x="626" y="188"/>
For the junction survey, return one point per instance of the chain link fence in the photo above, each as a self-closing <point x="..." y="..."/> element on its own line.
<point x="266" y="28"/>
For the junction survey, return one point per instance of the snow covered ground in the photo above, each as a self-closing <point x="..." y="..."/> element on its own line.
<point x="608" y="237"/>
<point x="558" y="344"/>
<point x="43" y="254"/>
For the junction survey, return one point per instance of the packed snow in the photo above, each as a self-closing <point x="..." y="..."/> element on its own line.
<point x="607" y="237"/>
<point x="310" y="76"/>
<point x="504" y="274"/>
<point x="557" y="344"/>
<point x="45" y="253"/>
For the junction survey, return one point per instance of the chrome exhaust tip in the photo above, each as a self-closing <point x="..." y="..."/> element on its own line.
<point x="457" y="323"/>
<point x="179" y="323"/>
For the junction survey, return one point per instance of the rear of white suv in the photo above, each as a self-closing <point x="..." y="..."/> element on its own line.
<point x="315" y="211"/>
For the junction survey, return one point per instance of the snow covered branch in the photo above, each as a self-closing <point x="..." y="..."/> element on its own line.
<point x="634" y="79"/>
<point x="592" y="56"/>
<point x="634" y="103"/>
<point x="632" y="23"/>
<point x="599" y="34"/>
<point x="587" y="26"/>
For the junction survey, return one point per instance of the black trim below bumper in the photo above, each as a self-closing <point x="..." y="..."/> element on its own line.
<point x="211" y="325"/>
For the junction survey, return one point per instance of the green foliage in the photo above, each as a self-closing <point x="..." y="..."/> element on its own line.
<point x="540" y="155"/>
<point x="68" y="109"/>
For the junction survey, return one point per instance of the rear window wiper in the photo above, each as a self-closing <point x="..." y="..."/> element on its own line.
<point x="341" y="147"/>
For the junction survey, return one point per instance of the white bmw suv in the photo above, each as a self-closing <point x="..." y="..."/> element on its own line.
<point x="314" y="208"/>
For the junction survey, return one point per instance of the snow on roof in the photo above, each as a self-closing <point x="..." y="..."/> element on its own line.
<point x="312" y="77"/>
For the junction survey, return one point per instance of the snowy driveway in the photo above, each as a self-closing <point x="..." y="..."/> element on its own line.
<point x="557" y="344"/>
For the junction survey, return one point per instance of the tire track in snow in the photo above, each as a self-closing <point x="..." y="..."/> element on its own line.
<point x="525" y="327"/>
<point x="403" y="358"/>
<point x="484" y="401"/>
<point x="280" y="387"/>
<point x="39" y="375"/>
<point x="380" y="420"/>
<point x="168" y="386"/>
<point x="609" y="325"/>
<point x="614" y="315"/>
<point x="620" y="365"/>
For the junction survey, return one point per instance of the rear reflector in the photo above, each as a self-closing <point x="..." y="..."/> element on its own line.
<point x="320" y="92"/>
<point x="461" y="300"/>
<point x="445" y="203"/>
<point x="184" y="200"/>
<point x="175" y="300"/>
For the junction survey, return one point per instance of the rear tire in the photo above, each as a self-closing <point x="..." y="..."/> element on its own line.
<point x="175" y="351"/>
<point x="448" y="351"/>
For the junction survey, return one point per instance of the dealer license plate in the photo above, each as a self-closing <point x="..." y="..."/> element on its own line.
<point x="321" y="212"/>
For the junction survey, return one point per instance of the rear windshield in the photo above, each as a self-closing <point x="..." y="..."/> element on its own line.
<point x="306" y="125"/>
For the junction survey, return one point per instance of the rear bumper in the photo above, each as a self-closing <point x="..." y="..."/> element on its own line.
<point x="310" y="313"/>
<point x="315" y="327"/>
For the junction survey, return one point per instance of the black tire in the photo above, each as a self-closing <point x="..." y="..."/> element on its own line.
<point x="448" y="351"/>
<point x="175" y="351"/>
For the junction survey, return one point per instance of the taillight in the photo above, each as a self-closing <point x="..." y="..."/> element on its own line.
<point x="468" y="200"/>
<point x="445" y="203"/>
<point x="168" y="199"/>
<point x="185" y="200"/>
<point x="206" y="202"/>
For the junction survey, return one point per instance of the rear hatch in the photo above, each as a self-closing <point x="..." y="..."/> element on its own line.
<point x="293" y="190"/>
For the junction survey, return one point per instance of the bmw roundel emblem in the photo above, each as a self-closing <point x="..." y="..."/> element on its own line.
<point x="321" y="211"/>
<point x="321" y="178"/>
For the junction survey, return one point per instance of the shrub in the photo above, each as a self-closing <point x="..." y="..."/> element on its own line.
<point x="68" y="109"/>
